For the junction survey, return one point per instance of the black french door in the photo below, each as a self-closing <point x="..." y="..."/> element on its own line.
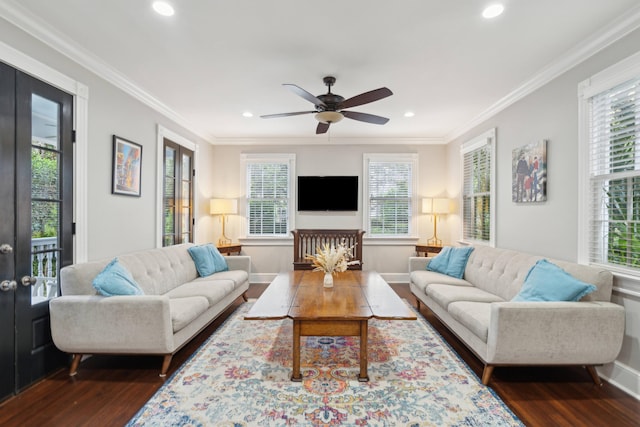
<point x="36" y="220"/>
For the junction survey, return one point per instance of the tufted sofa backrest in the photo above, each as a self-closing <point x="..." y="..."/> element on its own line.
<point x="502" y="272"/>
<point x="157" y="271"/>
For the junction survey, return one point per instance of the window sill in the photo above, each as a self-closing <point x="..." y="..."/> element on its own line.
<point x="626" y="284"/>
<point x="266" y="241"/>
<point x="390" y="240"/>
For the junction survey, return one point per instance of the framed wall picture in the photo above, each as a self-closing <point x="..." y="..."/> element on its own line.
<point x="127" y="167"/>
<point x="530" y="173"/>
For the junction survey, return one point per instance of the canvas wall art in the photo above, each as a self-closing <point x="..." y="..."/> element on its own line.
<point x="530" y="173"/>
<point x="127" y="167"/>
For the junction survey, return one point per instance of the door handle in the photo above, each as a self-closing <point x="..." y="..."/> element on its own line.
<point x="8" y="285"/>
<point x="28" y="280"/>
<point x="5" y="248"/>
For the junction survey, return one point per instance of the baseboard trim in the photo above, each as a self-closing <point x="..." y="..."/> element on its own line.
<point x="622" y="376"/>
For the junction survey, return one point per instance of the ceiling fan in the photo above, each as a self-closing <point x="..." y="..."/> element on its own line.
<point x="330" y="107"/>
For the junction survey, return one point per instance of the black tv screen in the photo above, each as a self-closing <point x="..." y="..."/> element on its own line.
<point x="327" y="193"/>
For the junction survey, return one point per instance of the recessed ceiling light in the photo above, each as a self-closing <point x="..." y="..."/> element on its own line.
<point x="493" y="11"/>
<point x="163" y="8"/>
<point x="247" y="114"/>
<point x="409" y="114"/>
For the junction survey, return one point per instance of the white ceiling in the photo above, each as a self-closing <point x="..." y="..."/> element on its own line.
<point x="214" y="60"/>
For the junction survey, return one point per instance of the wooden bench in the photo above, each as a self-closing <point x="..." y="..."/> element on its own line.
<point x="305" y="242"/>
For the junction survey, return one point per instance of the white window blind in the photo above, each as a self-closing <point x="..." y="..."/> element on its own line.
<point x="614" y="176"/>
<point x="268" y="198"/>
<point x="477" y="193"/>
<point x="390" y="195"/>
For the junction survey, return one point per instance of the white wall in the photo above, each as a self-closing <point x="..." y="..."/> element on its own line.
<point x="388" y="259"/>
<point x="550" y="228"/>
<point x="116" y="224"/>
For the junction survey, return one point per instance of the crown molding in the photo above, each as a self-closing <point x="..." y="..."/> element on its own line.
<point x="41" y="30"/>
<point x="609" y="34"/>
<point x="323" y="140"/>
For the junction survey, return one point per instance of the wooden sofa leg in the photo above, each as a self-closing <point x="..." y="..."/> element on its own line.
<point x="244" y="297"/>
<point x="486" y="374"/>
<point x="417" y="303"/>
<point x="166" y="361"/>
<point x="74" y="364"/>
<point x="594" y="375"/>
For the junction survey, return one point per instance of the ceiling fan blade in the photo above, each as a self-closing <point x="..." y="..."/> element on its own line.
<point x="322" y="128"/>
<point x="304" y="94"/>
<point x="364" y="117"/>
<point x="297" y="113"/>
<point x="367" y="97"/>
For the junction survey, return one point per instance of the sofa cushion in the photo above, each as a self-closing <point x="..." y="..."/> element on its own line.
<point x="424" y="278"/>
<point x="184" y="310"/>
<point x="207" y="259"/>
<point x="451" y="261"/>
<point x="475" y="316"/>
<point x="238" y="277"/>
<point x="213" y="290"/>
<point x="115" y="279"/>
<point x="447" y="294"/>
<point x="548" y="282"/>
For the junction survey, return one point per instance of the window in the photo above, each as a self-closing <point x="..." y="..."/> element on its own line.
<point x="269" y="188"/>
<point x="478" y="181"/>
<point x="177" y="194"/>
<point x="389" y="189"/>
<point x="611" y="178"/>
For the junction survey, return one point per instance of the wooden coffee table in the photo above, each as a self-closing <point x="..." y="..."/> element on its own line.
<point x="343" y="310"/>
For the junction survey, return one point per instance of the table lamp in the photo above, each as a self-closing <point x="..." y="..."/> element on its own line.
<point x="436" y="207"/>
<point x="223" y="207"/>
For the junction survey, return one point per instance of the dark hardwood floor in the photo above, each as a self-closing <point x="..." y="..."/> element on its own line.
<point x="109" y="390"/>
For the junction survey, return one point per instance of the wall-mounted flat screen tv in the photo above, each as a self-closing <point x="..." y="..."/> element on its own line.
<point x="327" y="193"/>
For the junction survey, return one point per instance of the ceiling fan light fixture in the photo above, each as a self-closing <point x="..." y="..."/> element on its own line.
<point x="329" y="116"/>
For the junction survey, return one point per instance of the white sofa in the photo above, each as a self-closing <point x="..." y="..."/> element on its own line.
<point x="478" y="310"/>
<point x="176" y="305"/>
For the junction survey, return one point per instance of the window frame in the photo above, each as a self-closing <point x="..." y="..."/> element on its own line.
<point x="474" y="144"/>
<point x="609" y="78"/>
<point x="251" y="158"/>
<point x="412" y="158"/>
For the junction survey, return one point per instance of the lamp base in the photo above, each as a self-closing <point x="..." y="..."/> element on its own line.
<point x="434" y="241"/>
<point x="223" y="241"/>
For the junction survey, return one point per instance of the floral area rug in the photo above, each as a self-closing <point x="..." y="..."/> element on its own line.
<point x="241" y="377"/>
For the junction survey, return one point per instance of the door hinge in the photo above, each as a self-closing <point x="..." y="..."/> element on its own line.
<point x="194" y="172"/>
<point x="73" y="136"/>
<point x="73" y="228"/>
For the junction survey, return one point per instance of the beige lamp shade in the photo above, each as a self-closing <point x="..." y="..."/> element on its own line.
<point x="440" y="206"/>
<point x="223" y="206"/>
<point x="435" y="205"/>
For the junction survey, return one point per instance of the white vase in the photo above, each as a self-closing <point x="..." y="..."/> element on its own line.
<point x="328" y="280"/>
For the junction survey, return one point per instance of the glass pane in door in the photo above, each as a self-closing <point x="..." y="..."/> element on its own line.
<point x="169" y="198"/>
<point x="45" y="198"/>
<point x="187" y="198"/>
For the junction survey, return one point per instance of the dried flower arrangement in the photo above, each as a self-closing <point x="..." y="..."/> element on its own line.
<point x="332" y="259"/>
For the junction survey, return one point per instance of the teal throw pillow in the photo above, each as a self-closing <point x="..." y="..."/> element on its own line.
<point x="218" y="260"/>
<point x="451" y="261"/>
<point x="115" y="279"/>
<point x="548" y="282"/>
<point x="208" y="259"/>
